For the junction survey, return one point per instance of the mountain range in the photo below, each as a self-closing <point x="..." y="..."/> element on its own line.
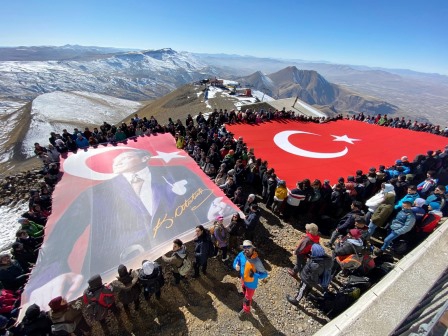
<point x="100" y="75"/>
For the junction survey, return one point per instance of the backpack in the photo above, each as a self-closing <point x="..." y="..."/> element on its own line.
<point x="185" y="267"/>
<point x="95" y="311"/>
<point x="428" y="223"/>
<point x="400" y="247"/>
<point x="332" y="304"/>
<point x="62" y="328"/>
<point x="210" y="248"/>
<point x="367" y="264"/>
<point x="350" y="261"/>
<point x="98" y="302"/>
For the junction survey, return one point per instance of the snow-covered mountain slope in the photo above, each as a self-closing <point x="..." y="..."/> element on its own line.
<point x="52" y="112"/>
<point x="133" y="75"/>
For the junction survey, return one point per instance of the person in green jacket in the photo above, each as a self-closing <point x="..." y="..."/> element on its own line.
<point x="34" y="230"/>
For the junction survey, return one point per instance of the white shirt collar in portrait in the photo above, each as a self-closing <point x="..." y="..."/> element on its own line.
<point x="146" y="190"/>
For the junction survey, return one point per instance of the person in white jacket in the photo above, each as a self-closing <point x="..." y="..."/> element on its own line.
<point x="387" y="191"/>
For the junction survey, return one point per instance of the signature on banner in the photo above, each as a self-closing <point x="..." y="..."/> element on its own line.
<point x="193" y="202"/>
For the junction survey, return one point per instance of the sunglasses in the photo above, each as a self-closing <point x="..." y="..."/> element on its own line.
<point x="247" y="247"/>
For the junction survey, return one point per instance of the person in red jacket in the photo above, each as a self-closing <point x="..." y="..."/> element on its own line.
<point x="9" y="301"/>
<point x="303" y="248"/>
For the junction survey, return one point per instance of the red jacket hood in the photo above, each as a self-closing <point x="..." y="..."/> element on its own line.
<point x="314" y="238"/>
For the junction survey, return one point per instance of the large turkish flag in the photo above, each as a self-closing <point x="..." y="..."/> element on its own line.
<point x="299" y="150"/>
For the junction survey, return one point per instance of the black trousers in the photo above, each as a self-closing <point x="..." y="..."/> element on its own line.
<point x="199" y="264"/>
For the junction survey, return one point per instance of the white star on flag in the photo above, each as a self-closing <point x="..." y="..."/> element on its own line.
<point x="167" y="157"/>
<point x="344" y="138"/>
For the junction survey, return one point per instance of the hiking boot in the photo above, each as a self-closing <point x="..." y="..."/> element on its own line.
<point x="292" y="273"/>
<point x="225" y="259"/>
<point x="242" y="314"/>
<point x="291" y="300"/>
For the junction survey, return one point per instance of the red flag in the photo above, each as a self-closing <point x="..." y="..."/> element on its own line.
<point x="299" y="150"/>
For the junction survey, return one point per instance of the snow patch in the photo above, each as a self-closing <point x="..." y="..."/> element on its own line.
<point x="9" y="225"/>
<point x="311" y="109"/>
<point x="74" y="108"/>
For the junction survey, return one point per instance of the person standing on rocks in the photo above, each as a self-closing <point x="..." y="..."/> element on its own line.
<point x="312" y="274"/>
<point x="203" y="243"/>
<point x="177" y="259"/>
<point x="303" y="249"/>
<point x="251" y="269"/>
<point x="251" y="222"/>
<point x="128" y="288"/>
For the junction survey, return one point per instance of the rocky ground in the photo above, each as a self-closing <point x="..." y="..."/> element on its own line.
<point x="15" y="188"/>
<point x="210" y="305"/>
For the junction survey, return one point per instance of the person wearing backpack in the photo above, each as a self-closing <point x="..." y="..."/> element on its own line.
<point x="150" y="276"/>
<point x="348" y="251"/>
<point x="67" y="318"/>
<point x="99" y="300"/>
<point x="127" y="287"/>
<point x="303" y="249"/>
<point x="203" y="250"/>
<point x="250" y="268"/>
<point x="180" y="264"/>
<point x="316" y="271"/>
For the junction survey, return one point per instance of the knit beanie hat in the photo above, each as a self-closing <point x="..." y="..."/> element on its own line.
<point x="419" y="202"/>
<point x="95" y="282"/>
<point x="355" y="233"/>
<point x="434" y="205"/>
<point x="56" y="304"/>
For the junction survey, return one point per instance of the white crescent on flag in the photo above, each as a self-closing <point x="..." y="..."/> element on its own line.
<point x="281" y="139"/>
<point x="76" y="165"/>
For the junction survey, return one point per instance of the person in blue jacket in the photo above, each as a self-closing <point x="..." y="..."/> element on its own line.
<point x="81" y="142"/>
<point x="250" y="268"/>
<point x="411" y="196"/>
<point x="401" y="224"/>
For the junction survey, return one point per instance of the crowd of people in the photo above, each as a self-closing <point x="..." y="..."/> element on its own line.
<point x="404" y="200"/>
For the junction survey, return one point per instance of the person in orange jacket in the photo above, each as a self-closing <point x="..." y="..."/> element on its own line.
<point x="250" y="268"/>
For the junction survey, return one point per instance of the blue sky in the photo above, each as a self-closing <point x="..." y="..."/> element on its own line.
<point x="387" y="33"/>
